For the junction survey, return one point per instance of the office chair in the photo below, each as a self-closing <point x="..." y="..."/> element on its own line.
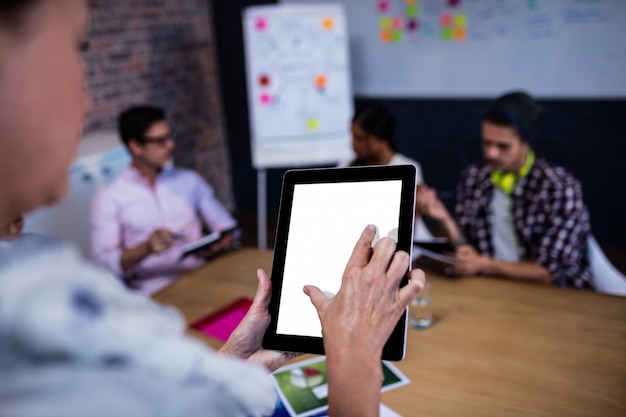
<point x="606" y="278"/>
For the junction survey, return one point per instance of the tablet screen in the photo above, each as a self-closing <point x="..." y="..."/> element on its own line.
<point x="326" y="221"/>
<point x="322" y="215"/>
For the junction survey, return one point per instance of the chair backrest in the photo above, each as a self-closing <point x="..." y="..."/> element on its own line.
<point x="606" y="278"/>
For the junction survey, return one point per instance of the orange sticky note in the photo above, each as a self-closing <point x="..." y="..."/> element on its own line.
<point x="328" y="23"/>
<point x="320" y="81"/>
<point x="459" y="34"/>
<point x="385" y="36"/>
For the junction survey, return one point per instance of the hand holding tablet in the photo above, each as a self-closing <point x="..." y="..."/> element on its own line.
<point x="322" y="214"/>
<point x="365" y="319"/>
<point x="356" y="316"/>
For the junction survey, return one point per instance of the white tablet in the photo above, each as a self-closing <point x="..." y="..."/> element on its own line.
<point x="322" y="214"/>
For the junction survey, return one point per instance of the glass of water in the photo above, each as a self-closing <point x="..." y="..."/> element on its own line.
<point x="420" y="310"/>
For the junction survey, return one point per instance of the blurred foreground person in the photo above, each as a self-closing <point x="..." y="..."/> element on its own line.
<point x="75" y="342"/>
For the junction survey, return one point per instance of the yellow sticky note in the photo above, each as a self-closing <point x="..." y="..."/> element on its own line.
<point x="385" y="22"/>
<point x="460" y="20"/>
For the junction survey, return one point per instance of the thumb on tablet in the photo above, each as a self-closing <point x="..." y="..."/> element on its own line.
<point x="316" y="295"/>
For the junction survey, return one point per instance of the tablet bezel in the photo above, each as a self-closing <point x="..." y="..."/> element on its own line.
<point x="395" y="347"/>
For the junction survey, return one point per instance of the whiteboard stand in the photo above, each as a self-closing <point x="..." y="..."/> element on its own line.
<point x="298" y="88"/>
<point x="261" y="183"/>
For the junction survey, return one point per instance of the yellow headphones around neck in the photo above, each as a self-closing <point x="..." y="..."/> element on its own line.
<point x="507" y="181"/>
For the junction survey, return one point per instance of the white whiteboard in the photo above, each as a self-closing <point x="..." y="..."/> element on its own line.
<point x="299" y="89"/>
<point x="481" y="48"/>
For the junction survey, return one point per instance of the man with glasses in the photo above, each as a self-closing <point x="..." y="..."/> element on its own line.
<point x="141" y="220"/>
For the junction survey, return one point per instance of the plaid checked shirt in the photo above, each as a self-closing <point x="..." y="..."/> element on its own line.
<point x="550" y="220"/>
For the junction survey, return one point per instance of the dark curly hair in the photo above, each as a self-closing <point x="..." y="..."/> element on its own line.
<point x="519" y="110"/>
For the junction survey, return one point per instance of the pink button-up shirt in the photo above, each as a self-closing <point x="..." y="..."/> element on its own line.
<point x="128" y="210"/>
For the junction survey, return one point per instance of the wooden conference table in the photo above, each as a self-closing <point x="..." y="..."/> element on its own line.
<point x="496" y="348"/>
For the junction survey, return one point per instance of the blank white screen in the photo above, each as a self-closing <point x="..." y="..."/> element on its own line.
<point x="326" y="222"/>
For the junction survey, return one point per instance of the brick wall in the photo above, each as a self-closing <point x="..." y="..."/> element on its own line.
<point x="161" y="52"/>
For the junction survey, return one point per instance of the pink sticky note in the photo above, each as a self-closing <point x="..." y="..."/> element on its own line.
<point x="446" y="19"/>
<point x="261" y="23"/>
<point x="383" y="6"/>
<point x="265" y="98"/>
<point x="221" y="324"/>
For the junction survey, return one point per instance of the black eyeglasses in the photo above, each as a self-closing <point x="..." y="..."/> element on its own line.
<point x="161" y="141"/>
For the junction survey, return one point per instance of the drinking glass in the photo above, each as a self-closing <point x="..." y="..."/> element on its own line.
<point x="420" y="310"/>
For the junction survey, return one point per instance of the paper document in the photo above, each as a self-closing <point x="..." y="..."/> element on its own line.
<point x="419" y="251"/>
<point x="303" y="388"/>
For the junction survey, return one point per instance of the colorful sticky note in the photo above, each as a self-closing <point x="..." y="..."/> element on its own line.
<point x="261" y="23"/>
<point x="264" y="80"/>
<point x="328" y="23"/>
<point x="412" y="25"/>
<point x="446" y="19"/>
<point x="396" y="22"/>
<point x="397" y="36"/>
<point x="411" y="10"/>
<point x="312" y="124"/>
<point x="383" y="6"/>
<point x="265" y="98"/>
<point x="320" y="81"/>
<point x="385" y="22"/>
<point x="428" y="28"/>
<point x="460" y="20"/>
<point x="385" y="36"/>
<point x="453" y="3"/>
<point x="459" y="34"/>
<point x="446" y="34"/>
<point x="410" y="1"/>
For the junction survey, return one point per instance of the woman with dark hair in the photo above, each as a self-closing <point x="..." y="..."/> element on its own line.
<point x="75" y="342"/>
<point x="373" y="126"/>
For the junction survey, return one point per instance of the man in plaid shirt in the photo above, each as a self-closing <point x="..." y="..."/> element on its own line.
<point x="516" y="215"/>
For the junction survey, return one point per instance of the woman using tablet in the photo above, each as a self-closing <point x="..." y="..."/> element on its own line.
<point x="75" y="342"/>
<point x="373" y="127"/>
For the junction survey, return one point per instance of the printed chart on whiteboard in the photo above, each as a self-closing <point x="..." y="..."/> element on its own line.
<point x="298" y="77"/>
